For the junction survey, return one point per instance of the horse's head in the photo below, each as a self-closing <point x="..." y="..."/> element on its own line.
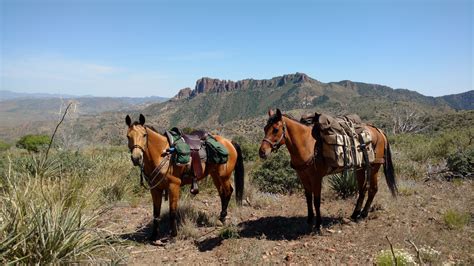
<point x="274" y="134"/>
<point x="137" y="139"/>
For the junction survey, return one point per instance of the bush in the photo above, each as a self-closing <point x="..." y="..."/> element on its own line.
<point x="249" y="149"/>
<point x="461" y="162"/>
<point x="455" y="219"/>
<point x="344" y="185"/>
<point x="229" y="231"/>
<point x="33" y="143"/>
<point x="4" y="146"/>
<point x="385" y="258"/>
<point x="275" y="175"/>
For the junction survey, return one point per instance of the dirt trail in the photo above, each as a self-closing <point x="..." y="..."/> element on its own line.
<point x="273" y="229"/>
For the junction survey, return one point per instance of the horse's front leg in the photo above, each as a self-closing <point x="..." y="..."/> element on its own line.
<point x="174" y="190"/>
<point x="156" y="195"/>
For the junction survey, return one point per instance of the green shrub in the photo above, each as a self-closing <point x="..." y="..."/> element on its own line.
<point x="275" y="175"/>
<point x="229" y="231"/>
<point x="4" y="146"/>
<point x="344" y="185"/>
<point x="385" y="258"/>
<point x="455" y="219"/>
<point x="33" y="143"/>
<point x="249" y="149"/>
<point x="461" y="162"/>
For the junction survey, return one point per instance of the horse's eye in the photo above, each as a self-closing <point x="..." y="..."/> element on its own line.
<point x="275" y="130"/>
<point x="144" y="135"/>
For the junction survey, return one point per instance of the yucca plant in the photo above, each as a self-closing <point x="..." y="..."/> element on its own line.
<point x="345" y="185"/>
<point x="38" y="227"/>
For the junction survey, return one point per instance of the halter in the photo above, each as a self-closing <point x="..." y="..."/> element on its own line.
<point x="277" y="144"/>
<point x="156" y="171"/>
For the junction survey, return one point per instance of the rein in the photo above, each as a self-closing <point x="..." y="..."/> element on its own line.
<point x="156" y="172"/>
<point x="277" y="144"/>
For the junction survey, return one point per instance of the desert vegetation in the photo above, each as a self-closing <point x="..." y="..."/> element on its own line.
<point x="84" y="203"/>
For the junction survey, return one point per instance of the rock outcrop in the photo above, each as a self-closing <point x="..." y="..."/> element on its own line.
<point x="210" y="85"/>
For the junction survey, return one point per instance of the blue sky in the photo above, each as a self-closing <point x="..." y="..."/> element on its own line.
<point x="144" y="48"/>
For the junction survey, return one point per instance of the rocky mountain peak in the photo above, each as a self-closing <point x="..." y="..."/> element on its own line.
<point x="210" y="85"/>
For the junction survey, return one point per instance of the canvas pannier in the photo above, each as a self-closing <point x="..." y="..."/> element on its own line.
<point x="339" y="140"/>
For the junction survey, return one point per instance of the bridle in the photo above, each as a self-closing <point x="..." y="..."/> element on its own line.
<point x="136" y="146"/>
<point x="156" y="172"/>
<point x="276" y="144"/>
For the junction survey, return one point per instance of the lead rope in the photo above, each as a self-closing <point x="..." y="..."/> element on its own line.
<point x="156" y="173"/>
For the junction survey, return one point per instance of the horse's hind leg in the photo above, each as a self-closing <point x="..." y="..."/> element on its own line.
<point x="362" y="185"/>
<point x="309" y="203"/>
<point x="372" y="190"/>
<point x="156" y="195"/>
<point x="224" y="187"/>
<point x="316" y="187"/>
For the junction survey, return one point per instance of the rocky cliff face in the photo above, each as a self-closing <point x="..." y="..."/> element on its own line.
<point x="210" y="85"/>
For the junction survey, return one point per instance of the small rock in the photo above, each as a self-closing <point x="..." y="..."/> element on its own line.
<point x="330" y="250"/>
<point x="331" y="231"/>
<point x="289" y="256"/>
<point x="219" y="223"/>
<point x="346" y="221"/>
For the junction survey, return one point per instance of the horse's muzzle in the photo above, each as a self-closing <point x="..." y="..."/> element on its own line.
<point x="263" y="153"/>
<point x="137" y="161"/>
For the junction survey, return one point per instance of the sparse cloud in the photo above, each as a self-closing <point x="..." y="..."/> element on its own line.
<point x="61" y="75"/>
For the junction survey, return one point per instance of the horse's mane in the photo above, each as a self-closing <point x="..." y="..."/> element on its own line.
<point x="273" y="119"/>
<point x="136" y="123"/>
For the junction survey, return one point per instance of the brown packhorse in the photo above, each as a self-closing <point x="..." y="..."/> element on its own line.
<point x="284" y="130"/>
<point x="148" y="150"/>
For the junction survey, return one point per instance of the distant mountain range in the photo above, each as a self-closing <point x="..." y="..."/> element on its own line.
<point x="10" y="95"/>
<point x="231" y="107"/>
<point x="17" y="108"/>
<point x="217" y="102"/>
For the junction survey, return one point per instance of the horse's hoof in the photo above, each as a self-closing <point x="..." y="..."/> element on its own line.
<point x="152" y="237"/>
<point x="318" y="231"/>
<point x="222" y="220"/>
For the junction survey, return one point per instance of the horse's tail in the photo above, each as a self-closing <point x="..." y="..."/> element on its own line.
<point x="388" y="169"/>
<point x="239" y="175"/>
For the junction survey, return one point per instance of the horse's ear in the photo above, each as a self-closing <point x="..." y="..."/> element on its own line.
<point x="141" y="120"/>
<point x="128" y="120"/>
<point x="278" y="113"/>
<point x="270" y="112"/>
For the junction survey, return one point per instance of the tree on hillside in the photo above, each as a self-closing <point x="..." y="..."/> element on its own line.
<point x="33" y="143"/>
<point x="407" y="119"/>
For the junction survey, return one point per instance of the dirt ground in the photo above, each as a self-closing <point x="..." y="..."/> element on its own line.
<point x="273" y="229"/>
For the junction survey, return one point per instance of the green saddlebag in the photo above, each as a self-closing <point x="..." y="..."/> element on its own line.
<point x="216" y="152"/>
<point x="183" y="152"/>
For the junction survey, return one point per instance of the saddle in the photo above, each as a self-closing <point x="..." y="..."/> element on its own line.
<point x="195" y="142"/>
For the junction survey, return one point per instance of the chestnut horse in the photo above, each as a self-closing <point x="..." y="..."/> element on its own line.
<point x="284" y="130"/>
<point x="148" y="150"/>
